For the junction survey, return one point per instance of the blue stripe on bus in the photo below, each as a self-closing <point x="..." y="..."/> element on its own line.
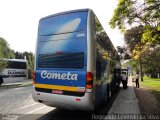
<point x="81" y="77"/>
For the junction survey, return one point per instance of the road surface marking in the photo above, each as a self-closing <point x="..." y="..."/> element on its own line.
<point x="36" y="110"/>
<point x="27" y="106"/>
<point x="32" y="111"/>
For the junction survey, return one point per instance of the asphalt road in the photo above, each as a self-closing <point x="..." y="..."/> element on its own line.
<point x="17" y="103"/>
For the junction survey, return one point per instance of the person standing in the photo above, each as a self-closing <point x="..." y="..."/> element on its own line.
<point x="137" y="79"/>
<point x="124" y="80"/>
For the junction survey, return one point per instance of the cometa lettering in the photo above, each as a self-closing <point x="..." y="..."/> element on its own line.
<point x="64" y="76"/>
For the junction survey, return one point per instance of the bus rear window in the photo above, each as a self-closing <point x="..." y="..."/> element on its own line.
<point x="61" y="60"/>
<point x="16" y="65"/>
<point x="65" y="23"/>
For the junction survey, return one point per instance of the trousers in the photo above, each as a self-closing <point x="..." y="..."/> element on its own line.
<point x="137" y="83"/>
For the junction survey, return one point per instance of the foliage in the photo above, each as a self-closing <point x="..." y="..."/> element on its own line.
<point x="19" y="55"/>
<point x="151" y="60"/>
<point x="151" y="35"/>
<point x="149" y="54"/>
<point x="123" y="11"/>
<point x="133" y="37"/>
<point x="5" y="52"/>
<point x="140" y="40"/>
<point x="152" y="83"/>
<point x="3" y="64"/>
<point x="98" y="25"/>
<point x="134" y="65"/>
<point x="134" y="12"/>
<point x="31" y="61"/>
<point x="130" y="12"/>
<point x="135" y="46"/>
<point x="123" y="52"/>
<point x="28" y="56"/>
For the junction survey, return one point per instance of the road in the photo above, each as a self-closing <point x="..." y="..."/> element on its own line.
<point x="18" y="103"/>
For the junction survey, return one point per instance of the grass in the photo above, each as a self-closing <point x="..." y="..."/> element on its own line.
<point x="151" y="83"/>
<point x="154" y="85"/>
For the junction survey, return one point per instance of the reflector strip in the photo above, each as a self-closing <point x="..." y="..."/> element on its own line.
<point x="78" y="99"/>
<point x="89" y="86"/>
<point x="56" y="87"/>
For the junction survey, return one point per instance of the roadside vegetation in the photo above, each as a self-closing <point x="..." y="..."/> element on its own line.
<point x="140" y="23"/>
<point x="152" y="83"/>
<point x="7" y="52"/>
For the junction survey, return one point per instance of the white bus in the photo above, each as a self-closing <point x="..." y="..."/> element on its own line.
<point x="15" y="71"/>
<point x="76" y="64"/>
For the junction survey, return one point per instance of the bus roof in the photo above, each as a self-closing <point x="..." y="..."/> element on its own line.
<point x="66" y="12"/>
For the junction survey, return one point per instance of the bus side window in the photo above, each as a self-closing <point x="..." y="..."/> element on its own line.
<point x="98" y="70"/>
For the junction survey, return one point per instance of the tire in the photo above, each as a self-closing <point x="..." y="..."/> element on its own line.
<point x="1" y="80"/>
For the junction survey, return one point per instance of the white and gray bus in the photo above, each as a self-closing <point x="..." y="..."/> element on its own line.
<point x="76" y="65"/>
<point x="15" y="71"/>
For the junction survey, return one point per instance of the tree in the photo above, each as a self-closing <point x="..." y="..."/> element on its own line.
<point x="133" y="12"/>
<point x="129" y="12"/>
<point x="123" y="52"/>
<point x="19" y="55"/>
<point x="29" y="57"/>
<point x="151" y="61"/>
<point x="145" y="15"/>
<point x="147" y="55"/>
<point x="151" y="35"/>
<point x="135" y="45"/>
<point x="5" y="52"/>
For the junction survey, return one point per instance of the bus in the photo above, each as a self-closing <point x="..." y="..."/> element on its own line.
<point x="15" y="70"/>
<point x="76" y="63"/>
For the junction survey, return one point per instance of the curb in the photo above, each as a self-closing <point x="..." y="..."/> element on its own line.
<point x="26" y="84"/>
<point x="9" y="86"/>
<point x="16" y="85"/>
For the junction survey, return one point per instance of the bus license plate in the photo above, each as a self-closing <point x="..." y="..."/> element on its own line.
<point x="57" y="91"/>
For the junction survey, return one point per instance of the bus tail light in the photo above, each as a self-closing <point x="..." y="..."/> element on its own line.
<point x="34" y="77"/>
<point x="89" y="78"/>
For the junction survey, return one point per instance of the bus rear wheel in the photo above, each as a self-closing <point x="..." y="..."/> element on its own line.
<point x="107" y="96"/>
<point x="1" y="80"/>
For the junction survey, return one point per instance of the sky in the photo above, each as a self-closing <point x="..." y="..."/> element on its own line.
<point x="19" y="19"/>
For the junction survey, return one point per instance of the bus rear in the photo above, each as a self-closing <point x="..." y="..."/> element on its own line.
<point x="61" y="76"/>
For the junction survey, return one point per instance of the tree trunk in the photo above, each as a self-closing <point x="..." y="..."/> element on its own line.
<point x="141" y="73"/>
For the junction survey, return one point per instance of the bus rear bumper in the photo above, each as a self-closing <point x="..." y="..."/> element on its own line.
<point x="67" y="102"/>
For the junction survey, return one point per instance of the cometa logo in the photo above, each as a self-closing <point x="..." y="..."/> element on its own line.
<point x="64" y="76"/>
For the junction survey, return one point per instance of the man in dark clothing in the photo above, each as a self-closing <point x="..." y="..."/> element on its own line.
<point x="124" y="80"/>
<point x="137" y="79"/>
